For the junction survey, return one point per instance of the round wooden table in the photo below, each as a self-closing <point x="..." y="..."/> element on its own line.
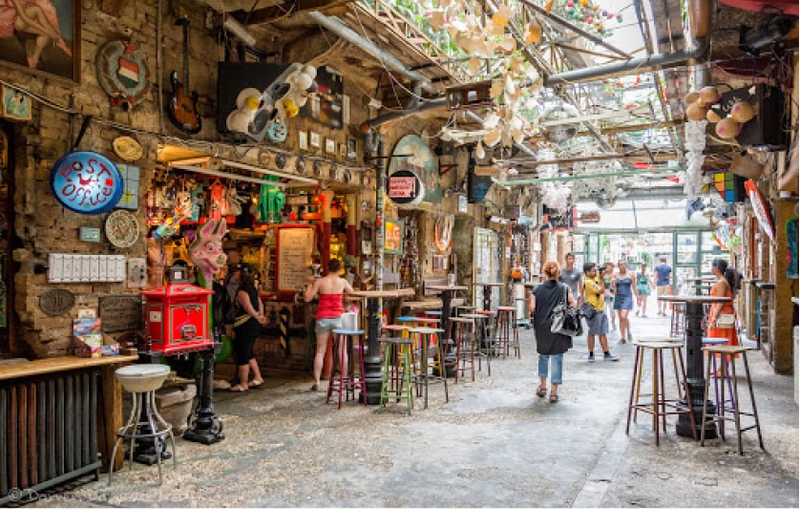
<point x="694" y="361"/>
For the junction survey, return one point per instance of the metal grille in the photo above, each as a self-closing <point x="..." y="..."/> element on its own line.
<point x="48" y="432"/>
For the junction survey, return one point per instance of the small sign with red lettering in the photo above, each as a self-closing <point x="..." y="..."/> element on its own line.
<point x="404" y="187"/>
<point x="86" y="182"/>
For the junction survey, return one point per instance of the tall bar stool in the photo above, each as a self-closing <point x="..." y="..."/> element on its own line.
<point x="659" y="403"/>
<point x="506" y="330"/>
<point x="480" y="345"/>
<point x="677" y="321"/>
<point x="489" y="335"/>
<point x="728" y="359"/>
<point x="718" y="380"/>
<point x="640" y="367"/>
<point x="423" y="338"/>
<point x="397" y="367"/>
<point x="461" y="310"/>
<point x="433" y="313"/>
<point x="463" y="333"/>
<point x="142" y="381"/>
<point x="347" y="383"/>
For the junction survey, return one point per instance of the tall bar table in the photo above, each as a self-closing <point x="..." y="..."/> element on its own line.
<point x="487" y="293"/>
<point x="694" y="363"/>
<point x="373" y="369"/>
<point x="446" y="294"/>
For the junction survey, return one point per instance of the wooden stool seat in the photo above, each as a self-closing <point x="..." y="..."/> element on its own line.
<point x="427" y="320"/>
<point x="659" y="403"/>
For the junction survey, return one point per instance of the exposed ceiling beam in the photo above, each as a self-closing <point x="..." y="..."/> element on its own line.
<point x="292" y="7"/>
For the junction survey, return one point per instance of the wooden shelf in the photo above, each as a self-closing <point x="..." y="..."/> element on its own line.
<point x="57" y="364"/>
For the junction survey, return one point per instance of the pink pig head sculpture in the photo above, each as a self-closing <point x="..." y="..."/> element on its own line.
<point x="206" y="252"/>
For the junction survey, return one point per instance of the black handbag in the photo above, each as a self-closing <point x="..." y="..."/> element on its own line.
<point x="566" y="319"/>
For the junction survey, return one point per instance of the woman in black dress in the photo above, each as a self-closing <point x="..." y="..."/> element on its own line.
<point x="249" y="320"/>
<point x="550" y="345"/>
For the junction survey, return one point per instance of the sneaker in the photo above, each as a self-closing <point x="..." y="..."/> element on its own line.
<point x="621" y="341"/>
<point x="591" y="358"/>
<point x="637" y="312"/>
<point x="608" y="357"/>
<point x="644" y="315"/>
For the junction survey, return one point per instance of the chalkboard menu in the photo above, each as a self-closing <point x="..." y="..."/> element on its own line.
<point x="121" y="312"/>
<point x="477" y="187"/>
<point x="294" y="247"/>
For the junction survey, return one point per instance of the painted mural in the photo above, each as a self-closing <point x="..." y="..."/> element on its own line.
<point x="412" y="153"/>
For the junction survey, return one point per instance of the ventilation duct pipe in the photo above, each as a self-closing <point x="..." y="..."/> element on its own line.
<point x="345" y="32"/>
<point x="632" y="66"/>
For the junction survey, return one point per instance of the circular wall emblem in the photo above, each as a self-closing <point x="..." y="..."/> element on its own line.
<point x="122" y="229"/>
<point x="56" y="301"/>
<point x="127" y="148"/>
<point x="280" y="161"/>
<point x="317" y="169"/>
<point x="86" y="182"/>
<point x="122" y="73"/>
<point x="300" y="166"/>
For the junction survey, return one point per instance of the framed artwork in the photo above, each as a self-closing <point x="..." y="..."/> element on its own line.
<point x="393" y="236"/>
<point x="60" y="54"/>
<point x="330" y="146"/>
<point x="325" y="106"/>
<point x="343" y="149"/>
<point x="16" y="104"/>
<point x="314" y="139"/>
<point x="302" y="140"/>
<point x="352" y="145"/>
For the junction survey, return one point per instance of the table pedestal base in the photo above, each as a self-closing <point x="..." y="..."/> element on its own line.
<point x="684" y="426"/>
<point x="373" y="377"/>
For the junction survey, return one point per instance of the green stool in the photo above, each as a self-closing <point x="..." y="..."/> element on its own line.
<point x="399" y="371"/>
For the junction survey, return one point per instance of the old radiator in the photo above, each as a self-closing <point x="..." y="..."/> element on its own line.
<point x="48" y="432"/>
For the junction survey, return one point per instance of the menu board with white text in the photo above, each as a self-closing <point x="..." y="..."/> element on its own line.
<point x="294" y="247"/>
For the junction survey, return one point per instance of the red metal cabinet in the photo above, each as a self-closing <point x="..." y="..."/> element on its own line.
<point x="177" y="317"/>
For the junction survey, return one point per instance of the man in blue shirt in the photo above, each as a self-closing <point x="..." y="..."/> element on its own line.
<point x="663" y="286"/>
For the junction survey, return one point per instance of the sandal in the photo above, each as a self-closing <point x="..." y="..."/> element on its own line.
<point x="238" y="388"/>
<point x="255" y="384"/>
<point x="541" y="391"/>
<point x="553" y="398"/>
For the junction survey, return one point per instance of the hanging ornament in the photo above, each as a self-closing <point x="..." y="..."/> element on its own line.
<point x="570" y="4"/>
<point x="619" y="18"/>
<point x="480" y="153"/>
<point x="728" y="128"/>
<point x="590" y="20"/>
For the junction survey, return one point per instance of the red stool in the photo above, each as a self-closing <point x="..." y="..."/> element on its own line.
<point x="463" y="334"/>
<point x="504" y="323"/>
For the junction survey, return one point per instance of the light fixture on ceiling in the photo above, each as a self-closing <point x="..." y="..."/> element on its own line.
<point x="751" y="40"/>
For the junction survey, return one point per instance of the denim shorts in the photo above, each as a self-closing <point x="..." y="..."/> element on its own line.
<point x="328" y="324"/>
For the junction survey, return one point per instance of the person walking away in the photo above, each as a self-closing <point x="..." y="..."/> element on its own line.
<point x="331" y="290"/>
<point x="624" y="294"/>
<point x="643" y="285"/>
<point x="594" y="289"/>
<point x="663" y="287"/>
<point x="724" y="286"/>
<point x="249" y="320"/>
<point x="573" y="278"/>
<point x="549" y="345"/>
<point x="608" y="295"/>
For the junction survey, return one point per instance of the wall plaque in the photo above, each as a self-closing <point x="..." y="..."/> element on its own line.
<point x="121" y="312"/>
<point x="56" y="301"/>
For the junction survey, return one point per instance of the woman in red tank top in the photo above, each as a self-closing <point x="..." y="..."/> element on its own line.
<point x="330" y="289"/>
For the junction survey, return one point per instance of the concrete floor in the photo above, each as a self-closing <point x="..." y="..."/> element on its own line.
<point x="494" y="444"/>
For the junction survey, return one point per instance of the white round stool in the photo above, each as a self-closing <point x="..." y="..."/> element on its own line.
<point x="142" y="381"/>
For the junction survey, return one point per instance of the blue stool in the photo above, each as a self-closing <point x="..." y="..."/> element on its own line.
<point x="344" y="340"/>
<point x="434" y="313"/>
<point x="406" y="319"/>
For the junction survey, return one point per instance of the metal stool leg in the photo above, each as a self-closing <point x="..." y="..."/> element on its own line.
<point x="753" y="400"/>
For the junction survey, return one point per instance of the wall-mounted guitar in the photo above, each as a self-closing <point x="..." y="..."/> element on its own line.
<point x="182" y="109"/>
